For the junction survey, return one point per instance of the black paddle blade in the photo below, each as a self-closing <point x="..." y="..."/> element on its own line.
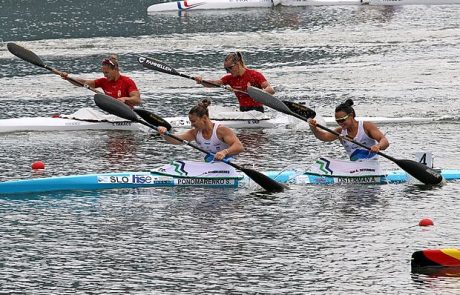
<point x="153" y="119"/>
<point x="263" y="180"/>
<point x="25" y="54"/>
<point x="300" y="110"/>
<point x="156" y="65"/>
<point x="420" y="172"/>
<point x="268" y="100"/>
<point x="115" y="107"/>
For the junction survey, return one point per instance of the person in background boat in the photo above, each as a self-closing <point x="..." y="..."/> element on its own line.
<point x="212" y="137"/>
<point x="364" y="132"/>
<point x="113" y="83"/>
<point x="239" y="77"/>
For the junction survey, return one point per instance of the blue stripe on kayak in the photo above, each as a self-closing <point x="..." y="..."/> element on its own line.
<point x="152" y="179"/>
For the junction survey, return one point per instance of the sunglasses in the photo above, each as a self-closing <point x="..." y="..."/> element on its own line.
<point x="229" y="68"/>
<point x="108" y="62"/>
<point x="343" y="119"/>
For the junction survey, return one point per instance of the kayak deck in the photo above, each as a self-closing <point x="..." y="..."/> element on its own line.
<point x="62" y="124"/>
<point x="154" y="179"/>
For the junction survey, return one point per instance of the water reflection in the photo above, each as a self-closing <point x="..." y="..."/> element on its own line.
<point x="425" y="274"/>
<point x="121" y="147"/>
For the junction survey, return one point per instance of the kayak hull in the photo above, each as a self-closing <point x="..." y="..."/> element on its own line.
<point x="154" y="179"/>
<point x="283" y="121"/>
<point x="110" y="181"/>
<point x="90" y="119"/>
<point x="62" y="124"/>
<point x="208" y="5"/>
<point x="319" y="2"/>
<point x="410" y="2"/>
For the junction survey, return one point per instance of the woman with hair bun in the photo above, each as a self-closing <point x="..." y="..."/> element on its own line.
<point x="239" y="77"/>
<point x="210" y="136"/>
<point x="363" y="132"/>
<point x="113" y="83"/>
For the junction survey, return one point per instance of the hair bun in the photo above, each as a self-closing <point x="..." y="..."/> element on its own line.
<point x="205" y="103"/>
<point x="348" y="102"/>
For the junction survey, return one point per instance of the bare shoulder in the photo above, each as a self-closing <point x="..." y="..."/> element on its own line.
<point x="368" y="125"/>
<point x="224" y="130"/>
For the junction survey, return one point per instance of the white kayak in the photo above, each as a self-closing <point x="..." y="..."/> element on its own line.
<point x="231" y="4"/>
<point x="410" y="2"/>
<point x="319" y="2"/>
<point x="83" y="119"/>
<point x="91" y="119"/>
<point x="210" y="4"/>
<point x="231" y="117"/>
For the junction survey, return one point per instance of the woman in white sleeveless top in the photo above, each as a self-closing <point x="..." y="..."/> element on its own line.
<point x="213" y="138"/>
<point x="363" y="132"/>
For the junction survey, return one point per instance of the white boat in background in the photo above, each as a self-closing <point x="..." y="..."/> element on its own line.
<point x="231" y="117"/>
<point x="178" y="6"/>
<point x="91" y="119"/>
<point x="410" y="2"/>
<point x="319" y="2"/>
<point x="209" y="4"/>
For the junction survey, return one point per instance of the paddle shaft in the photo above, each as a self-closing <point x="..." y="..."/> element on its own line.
<point x="75" y="81"/>
<point x="160" y="66"/>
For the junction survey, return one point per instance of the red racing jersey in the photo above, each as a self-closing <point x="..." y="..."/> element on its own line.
<point x="253" y="77"/>
<point x="120" y="88"/>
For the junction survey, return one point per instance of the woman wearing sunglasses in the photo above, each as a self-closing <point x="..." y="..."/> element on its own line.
<point x="364" y="132"/>
<point x="211" y="137"/>
<point x="113" y="83"/>
<point x="239" y="77"/>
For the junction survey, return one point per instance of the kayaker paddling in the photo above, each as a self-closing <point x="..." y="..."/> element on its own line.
<point x="364" y="132"/>
<point x="114" y="84"/>
<point x="214" y="138"/>
<point x="239" y="77"/>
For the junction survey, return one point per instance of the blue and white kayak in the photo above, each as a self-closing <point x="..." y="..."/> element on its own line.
<point x="187" y="173"/>
<point x="187" y="5"/>
<point x="390" y="177"/>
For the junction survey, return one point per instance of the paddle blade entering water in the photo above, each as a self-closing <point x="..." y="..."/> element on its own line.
<point x="263" y="180"/>
<point x="420" y="172"/>
<point x="153" y="119"/>
<point x="25" y="54"/>
<point x="115" y="107"/>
